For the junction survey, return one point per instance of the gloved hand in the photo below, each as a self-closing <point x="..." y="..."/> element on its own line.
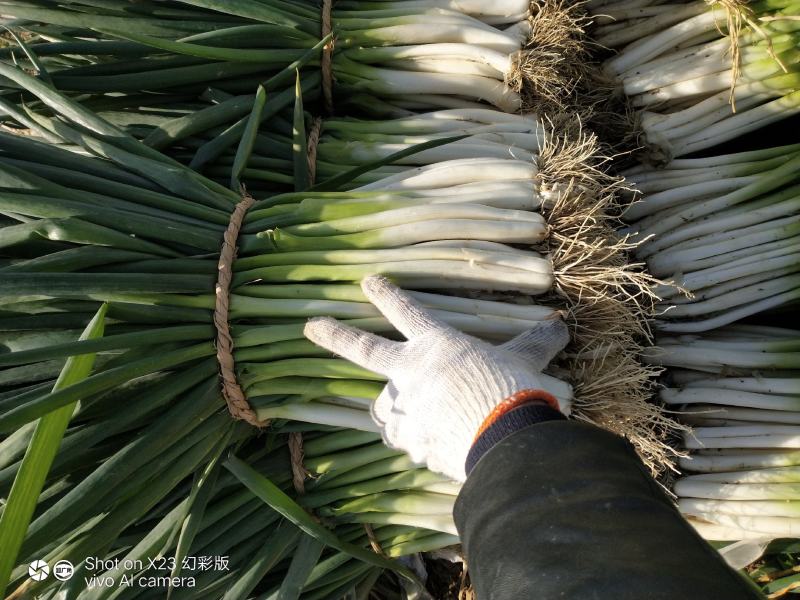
<point x="442" y="383"/>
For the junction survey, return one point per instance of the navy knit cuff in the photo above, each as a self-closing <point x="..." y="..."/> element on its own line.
<point x="511" y="422"/>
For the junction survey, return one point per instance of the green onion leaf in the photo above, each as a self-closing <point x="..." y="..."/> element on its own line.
<point x="302" y="178"/>
<point x="279" y="501"/>
<point x="41" y="451"/>
<point x="248" y="139"/>
<point x="336" y="183"/>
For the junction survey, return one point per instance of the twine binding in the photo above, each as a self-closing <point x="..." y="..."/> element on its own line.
<point x="296" y="455"/>
<point x="326" y="62"/>
<point x="311" y="149"/>
<point x="231" y="390"/>
<point x="299" y="471"/>
<point x="373" y="540"/>
<point x="299" y="475"/>
<point x="238" y="406"/>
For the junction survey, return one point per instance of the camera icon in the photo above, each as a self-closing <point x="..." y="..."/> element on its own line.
<point x="38" y="570"/>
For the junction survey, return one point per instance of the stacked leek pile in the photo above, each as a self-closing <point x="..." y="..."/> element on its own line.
<point x="127" y="226"/>
<point x="725" y="230"/>
<point x="739" y="387"/>
<point x="347" y="143"/>
<point x="492" y="220"/>
<point x="722" y="230"/>
<point x="146" y="62"/>
<point x="156" y="358"/>
<point x="700" y="74"/>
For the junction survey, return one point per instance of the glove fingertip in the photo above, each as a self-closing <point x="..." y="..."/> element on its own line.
<point x="321" y="330"/>
<point x="375" y="282"/>
<point x="377" y="287"/>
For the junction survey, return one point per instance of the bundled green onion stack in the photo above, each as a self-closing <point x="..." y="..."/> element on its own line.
<point x="721" y="231"/>
<point x="152" y="61"/>
<point x="157" y="360"/>
<point x="347" y="143"/>
<point x="725" y="230"/>
<point x="344" y="236"/>
<point x="738" y="387"/>
<point x="489" y="218"/>
<point x="139" y="231"/>
<point x="699" y="75"/>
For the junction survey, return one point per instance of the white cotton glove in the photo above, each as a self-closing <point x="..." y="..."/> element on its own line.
<point x="442" y="383"/>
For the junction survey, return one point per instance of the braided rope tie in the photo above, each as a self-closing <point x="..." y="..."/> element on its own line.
<point x="311" y="146"/>
<point x="234" y="396"/>
<point x="238" y="406"/>
<point x="296" y="454"/>
<point x="326" y="63"/>
<point x="373" y="540"/>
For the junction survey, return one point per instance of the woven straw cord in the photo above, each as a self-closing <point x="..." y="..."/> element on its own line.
<point x="373" y="540"/>
<point x="299" y="475"/>
<point x="237" y="402"/>
<point x="296" y="454"/>
<point x="311" y="149"/>
<point x="326" y="63"/>
<point x="231" y="390"/>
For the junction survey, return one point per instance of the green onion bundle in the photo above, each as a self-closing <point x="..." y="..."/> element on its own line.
<point x="347" y="143"/>
<point x="127" y="226"/>
<point x="699" y="76"/>
<point x="420" y="56"/>
<point x="373" y="484"/>
<point x="159" y="511"/>
<point x="725" y="230"/>
<point x="738" y="388"/>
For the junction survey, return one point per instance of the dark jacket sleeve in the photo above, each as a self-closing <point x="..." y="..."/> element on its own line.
<point x="565" y="510"/>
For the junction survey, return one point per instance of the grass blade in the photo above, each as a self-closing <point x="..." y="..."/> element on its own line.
<point x="203" y="488"/>
<point x="302" y="178"/>
<point x="33" y="405"/>
<point x="261" y="56"/>
<point x="69" y="108"/>
<point x="40" y="454"/>
<point x="255" y="11"/>
<point x="31" y="56"/>
<point x="280" y="502"/>
<point x="303" y="562"/>
<point x="248" y="139"/>
<point x="277" y="546"/>
<point x="213" y="148"/>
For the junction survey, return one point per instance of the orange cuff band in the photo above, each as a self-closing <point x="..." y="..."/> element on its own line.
<point x="515" y="401"/>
